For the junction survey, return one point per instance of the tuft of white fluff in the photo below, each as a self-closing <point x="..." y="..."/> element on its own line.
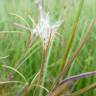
<point x="45" y="29"/>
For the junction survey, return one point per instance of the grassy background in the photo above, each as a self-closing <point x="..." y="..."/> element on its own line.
<point x="12" y="43"/>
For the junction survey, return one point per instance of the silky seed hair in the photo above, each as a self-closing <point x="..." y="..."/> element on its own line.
<point x="45" y="29"/>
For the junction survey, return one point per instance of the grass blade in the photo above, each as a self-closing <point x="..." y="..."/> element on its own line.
<point x="70" y="42"/>
<point x="7" y="82"/>
<point x="77" y="77"/>
<point x="80" y="45"/>
<point x="63" y="86"/>
<point x="82" y="91"/>
<point x="15" y="70"/>
<point x="21" y="18"/>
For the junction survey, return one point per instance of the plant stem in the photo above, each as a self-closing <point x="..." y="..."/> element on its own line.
<point x="82" y="91"/>
<point x="69" y="44"/>
<point x="46" y="67"/>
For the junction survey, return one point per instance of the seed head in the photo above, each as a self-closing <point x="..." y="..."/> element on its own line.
<point x="45" y="29"/>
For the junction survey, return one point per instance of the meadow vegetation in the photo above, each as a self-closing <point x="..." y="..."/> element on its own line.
<point x="47" y="48"/>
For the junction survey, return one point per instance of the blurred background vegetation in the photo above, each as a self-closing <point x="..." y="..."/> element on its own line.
<point x="13" y="38"/>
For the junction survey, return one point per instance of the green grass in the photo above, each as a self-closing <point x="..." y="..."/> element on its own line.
<point x="20" y="61"/>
